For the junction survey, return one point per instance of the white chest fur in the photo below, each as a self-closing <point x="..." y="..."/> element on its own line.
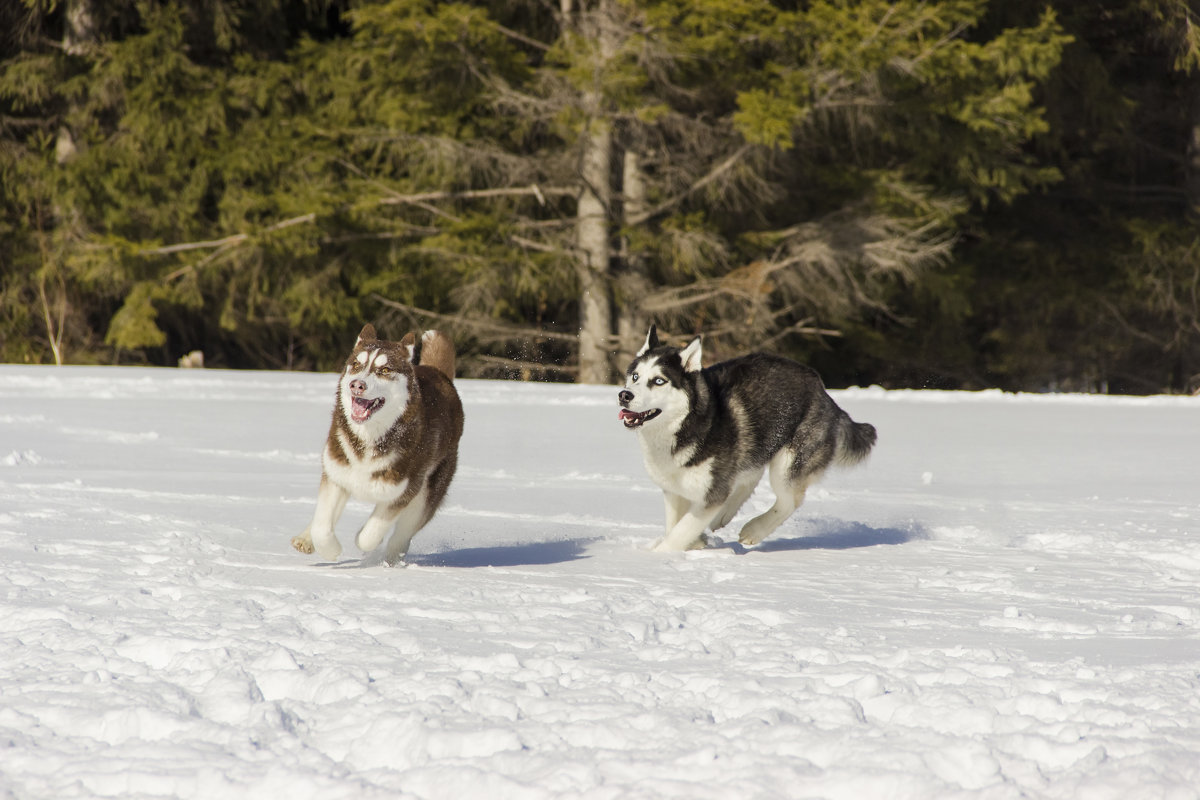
<point x="669" y="470"/>
<point x="358" y="475"/>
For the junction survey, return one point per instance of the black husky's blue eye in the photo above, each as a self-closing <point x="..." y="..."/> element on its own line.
<point x="658" y="382"/>
<point x="633" y="378"/>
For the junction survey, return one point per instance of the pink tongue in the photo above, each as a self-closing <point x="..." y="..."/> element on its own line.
<point x="361" y="410"/>
<point x="625" y="412"/>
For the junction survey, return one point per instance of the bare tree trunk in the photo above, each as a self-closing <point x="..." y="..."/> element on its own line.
<point x="54" y="306"/>
<point x="80" y="31"/>
<point x="634" y="286"/>
<point x="593" y="235"/>
<point x="80" y="34"/>
<point x="592" y="240"/>
<point x="1193" y="152"/>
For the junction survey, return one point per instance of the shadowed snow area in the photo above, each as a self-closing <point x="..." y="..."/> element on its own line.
<point x="1002" y="602"/>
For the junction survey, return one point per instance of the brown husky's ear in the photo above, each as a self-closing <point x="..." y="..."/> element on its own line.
<point x="409" y="343"/>
<point x="367" y="334"/>
<point x="651" y="341"/>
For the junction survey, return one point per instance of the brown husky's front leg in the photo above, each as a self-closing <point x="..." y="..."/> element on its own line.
<point x="319" y="535"/>
<point x="303" y="542"/>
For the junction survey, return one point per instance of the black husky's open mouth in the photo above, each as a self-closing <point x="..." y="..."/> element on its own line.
<point x="634" y="419"/>
<point x="362" y="408"/>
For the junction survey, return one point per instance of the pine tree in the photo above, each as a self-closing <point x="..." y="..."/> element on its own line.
<point x="1087" y="285"/>
<point x="113" y="143"/>
<point x="257" y="177"/>
<point x="749" y="170"/>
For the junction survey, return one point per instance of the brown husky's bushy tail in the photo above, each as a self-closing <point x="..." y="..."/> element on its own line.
<point x="437" y="351"/>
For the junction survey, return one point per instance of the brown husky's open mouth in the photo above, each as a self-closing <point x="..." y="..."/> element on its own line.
<point x="362" y="408"/>
<point x="635" y="419"/>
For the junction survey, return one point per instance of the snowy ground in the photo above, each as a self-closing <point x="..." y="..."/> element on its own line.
<point x="1004" y="602"/>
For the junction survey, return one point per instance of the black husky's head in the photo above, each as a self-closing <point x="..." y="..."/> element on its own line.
<point x="658" y="383"/>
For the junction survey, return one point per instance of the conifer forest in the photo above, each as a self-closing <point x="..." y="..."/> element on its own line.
<point x="910" y="193"/>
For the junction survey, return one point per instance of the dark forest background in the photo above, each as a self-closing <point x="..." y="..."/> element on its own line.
<point x="948" y="193"/>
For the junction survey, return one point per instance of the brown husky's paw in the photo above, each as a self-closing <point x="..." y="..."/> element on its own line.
<point x="303" y="545"/>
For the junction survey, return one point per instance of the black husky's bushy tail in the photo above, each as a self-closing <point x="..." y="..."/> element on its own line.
<point x="855" y="440"/>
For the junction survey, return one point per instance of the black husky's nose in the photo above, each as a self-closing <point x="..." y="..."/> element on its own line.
<point x="625" y="396"/>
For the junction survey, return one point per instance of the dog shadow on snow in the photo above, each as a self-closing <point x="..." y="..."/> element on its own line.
<point x="835" y="534"/>
<point x="828" y="534"/>
<point x="527" y="554"/>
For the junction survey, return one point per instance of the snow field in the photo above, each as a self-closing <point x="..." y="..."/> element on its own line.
<point x="1002" y="603"/>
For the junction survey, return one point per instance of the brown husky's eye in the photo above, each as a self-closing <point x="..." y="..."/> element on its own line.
<point x="385" y="371"/>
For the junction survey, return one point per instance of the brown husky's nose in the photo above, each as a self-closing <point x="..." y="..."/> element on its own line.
<point x="358" y="388"/>
<point x="625" y="396"/>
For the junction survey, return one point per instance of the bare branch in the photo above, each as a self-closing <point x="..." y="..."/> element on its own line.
<point x="421" y="200"/>
<point x="520" y="37"/>
<point x="508" y="331"/>
<point x="539" y="192"/>
<point x="236" y="238"/>
<point x="804" y="328"/>
<point x="530" y="244"/>
<point x="711" y="176"/>
<point x="425" y="201"/>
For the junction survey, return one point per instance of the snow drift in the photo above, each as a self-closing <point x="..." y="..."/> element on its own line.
<point x="1003" y="602"/>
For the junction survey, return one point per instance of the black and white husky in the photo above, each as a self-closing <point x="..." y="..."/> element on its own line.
<point x="397" y="420"/>
<point x="708" y="434"/>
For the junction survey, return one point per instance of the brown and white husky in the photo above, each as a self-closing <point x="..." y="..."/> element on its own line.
<point x="394" y="442"/>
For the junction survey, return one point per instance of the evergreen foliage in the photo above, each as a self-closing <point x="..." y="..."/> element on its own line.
<point x="910" y="192"/>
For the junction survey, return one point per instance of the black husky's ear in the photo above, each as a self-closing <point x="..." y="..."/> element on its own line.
<point x="690" y="356"/>
<point x="651" y="341"/>
<point x="367" y="334"/>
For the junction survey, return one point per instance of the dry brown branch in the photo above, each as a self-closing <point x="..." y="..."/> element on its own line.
<point x="530" y="244"/>
<point x="507" y="331"/>
<point x="804" y="328"/>
<point x="213" y="256"/>
<point x="236" y="238"/>
<point x="534" y="190"/>
<point x="419" y="199"/>
<point x="412" y="230"/>
<point x="520" y="37"/>
<point x="699" y="184"/>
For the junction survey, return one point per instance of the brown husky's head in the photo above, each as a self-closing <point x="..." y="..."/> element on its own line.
<point x="376" y="384"/>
